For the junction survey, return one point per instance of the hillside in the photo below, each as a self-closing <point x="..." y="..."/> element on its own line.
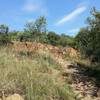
<point x="35" y="71"/>
<point x="50" y="50"/>
<point x="33" y="75"/>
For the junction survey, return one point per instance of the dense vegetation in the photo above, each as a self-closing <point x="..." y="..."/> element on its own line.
<point x="36" y="31"/>
<point x="38" y="76"/>
<point x="88" y="38"/>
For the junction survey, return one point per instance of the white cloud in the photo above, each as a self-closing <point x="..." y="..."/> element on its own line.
<point x="37" y="6"/>
<point x="74" y="30"/>
<point x="30" y="20"/>
<point x="71" y="16"/>
<point x="30" y="7"/>
<point x="84" y="3"/>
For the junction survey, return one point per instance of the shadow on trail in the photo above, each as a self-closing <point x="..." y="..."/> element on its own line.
<point x="87" y="79"/>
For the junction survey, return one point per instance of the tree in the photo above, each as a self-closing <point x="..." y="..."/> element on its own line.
<point x="30" y="28"/>
<point x="83" y="38"/>
<point x="53" y="38"/>
<point x="40" y="25"/>
<point x="89" y="37"/>
<point x="36" y="28"/>
<point x="66" y="40"/>
<point x="4" y="29"/>
<point x="4" y="38"/>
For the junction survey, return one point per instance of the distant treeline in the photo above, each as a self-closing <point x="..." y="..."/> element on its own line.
<point x="36" y="31"/>
<point x="87" y="40"/>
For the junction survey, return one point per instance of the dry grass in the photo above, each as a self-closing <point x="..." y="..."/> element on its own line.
<point x="32" y="76"/>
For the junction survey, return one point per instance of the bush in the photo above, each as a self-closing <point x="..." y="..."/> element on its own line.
<point x="4" y="40"/>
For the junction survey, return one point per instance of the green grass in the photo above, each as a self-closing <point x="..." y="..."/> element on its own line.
<point x="31" y="76"/>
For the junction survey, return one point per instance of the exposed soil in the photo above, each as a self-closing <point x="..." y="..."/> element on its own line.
<point x="86" y="86"/>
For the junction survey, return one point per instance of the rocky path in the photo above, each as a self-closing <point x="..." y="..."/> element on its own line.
<point x="86" y="87"/>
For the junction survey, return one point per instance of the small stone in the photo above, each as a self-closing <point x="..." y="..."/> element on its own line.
<point x="86" y="87"/>
<point x="82" y="88"/>
<point x="98" y="93"/>
<point x="80" y="96"/>
<point x="87" y="98"/>
<point x="14" y="97"/>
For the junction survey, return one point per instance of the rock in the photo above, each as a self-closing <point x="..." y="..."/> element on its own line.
<point x="87" y="98"/>
<point x="86" y="87"/>
<point x="73" y="53"/>
<point x="98" y="93"/>
<point x="79" y="97"/>
<point x="14" y="97"/>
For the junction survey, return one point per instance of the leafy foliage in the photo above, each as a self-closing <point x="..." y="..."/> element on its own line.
<point x="4" y="38"/>
<point x="4" y="29"/>
<point x="37" y="31"/>
<point x="53" y="38"/>
<point x="66" y="40"/>
<point x="88" y="38"/>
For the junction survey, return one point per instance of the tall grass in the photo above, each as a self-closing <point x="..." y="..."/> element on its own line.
<point x="32" y="77"/>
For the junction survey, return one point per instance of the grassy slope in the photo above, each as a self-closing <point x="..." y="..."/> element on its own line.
<point x="32" y="76"/>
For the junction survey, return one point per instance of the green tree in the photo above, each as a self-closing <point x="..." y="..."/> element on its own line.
<point x="40" y="25"/>
<point x="66" y="40"/>
<point x="89" y="37"/>
<point x="36" y="28"/>
<point x="4" y="29"/>
<point x="83" y="39"/>
<point x="4" y="38"/>
<point x="53" y="38"/>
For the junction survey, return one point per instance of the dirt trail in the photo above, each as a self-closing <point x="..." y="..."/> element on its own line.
<point x="85" y="87"/>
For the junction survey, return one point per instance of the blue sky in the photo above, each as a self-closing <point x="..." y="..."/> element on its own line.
<point x="63" y="16"/>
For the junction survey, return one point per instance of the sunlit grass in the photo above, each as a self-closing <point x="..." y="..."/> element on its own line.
<point x="32" y="77"/>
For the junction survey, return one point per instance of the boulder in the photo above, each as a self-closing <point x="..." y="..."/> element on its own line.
<point x="14" y="97"/>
